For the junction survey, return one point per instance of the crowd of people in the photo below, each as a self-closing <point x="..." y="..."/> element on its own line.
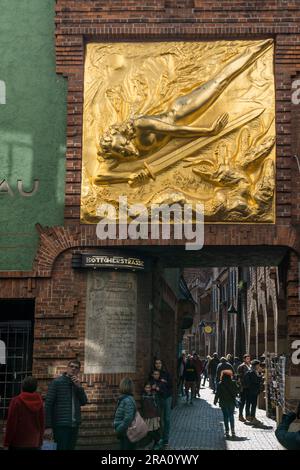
<point x="234" y="383"/>
<point x="156" y="405"/>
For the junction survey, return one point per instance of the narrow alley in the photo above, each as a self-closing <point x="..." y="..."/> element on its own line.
<point x="200" y="427"/>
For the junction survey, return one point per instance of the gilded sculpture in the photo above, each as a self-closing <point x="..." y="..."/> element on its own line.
<point x="181" y="122"/>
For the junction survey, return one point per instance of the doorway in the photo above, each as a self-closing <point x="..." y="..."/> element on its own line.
<point x="16" y="332"/>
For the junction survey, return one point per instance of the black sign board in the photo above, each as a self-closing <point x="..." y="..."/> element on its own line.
<point x="108" y="260"/>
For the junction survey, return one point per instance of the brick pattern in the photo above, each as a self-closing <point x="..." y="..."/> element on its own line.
<point x="59" y="291"/>
<point x="82" y="21"/>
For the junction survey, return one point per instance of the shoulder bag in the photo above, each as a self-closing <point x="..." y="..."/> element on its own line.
<point x="138" y="429"/>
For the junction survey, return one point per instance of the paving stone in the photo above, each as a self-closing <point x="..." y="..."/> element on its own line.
<point x="200" y="427"/>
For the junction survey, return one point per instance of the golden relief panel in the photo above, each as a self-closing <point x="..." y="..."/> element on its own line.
<point x="186" y="122"/>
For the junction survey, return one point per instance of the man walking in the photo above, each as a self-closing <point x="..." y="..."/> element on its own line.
<point x="241" y="371"/>
<point x="64" y="398"/>
<point x="190" y="378"/>
<point x="199" y="368"/>
<point x="253" y="382"/>
<point x="212" y="370"/>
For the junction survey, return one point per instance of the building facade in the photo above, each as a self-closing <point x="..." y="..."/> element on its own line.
<point x="65" y="291"/>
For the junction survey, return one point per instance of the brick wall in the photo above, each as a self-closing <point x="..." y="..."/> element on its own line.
<point x="80" y="21"/>
<point x="59" y="291"/>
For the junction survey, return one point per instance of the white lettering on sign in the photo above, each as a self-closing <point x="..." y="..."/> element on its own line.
<point x="2" y="92"/>
<point x="2" y="352"/>
<point x="296" y="353"/>
<point x="6" y="189"/>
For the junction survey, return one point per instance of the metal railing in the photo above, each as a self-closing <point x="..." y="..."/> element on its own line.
<point x="17" y="336"/>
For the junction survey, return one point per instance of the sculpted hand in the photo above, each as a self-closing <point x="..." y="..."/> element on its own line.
<point x="220" y="123"/>
<point x="139" y="177"/>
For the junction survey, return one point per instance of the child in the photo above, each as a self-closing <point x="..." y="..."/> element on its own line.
<point x="151" y="412"/>
<point x="25" y="422"/>
<point x="155" y="381"/>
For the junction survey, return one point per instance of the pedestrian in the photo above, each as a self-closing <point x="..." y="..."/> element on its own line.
<point x="155" y="382"/>
<point x="229" y="358"/>
<point x="253" y="381"/>
<point x="25" y="422"/>
<point x="63" y="401"/>
<point x="226" y="393"/>
<point x="190" y="378"/>
<point x="241" y="371"/>
<point x="223" y="365"/>
<point x="205" y="370"/>
<point x="199" y="369"/>
<point x="236" y="363"/>
<point x="180" y="372"/>
<point x="151" y="413"/>
<point x="125" y="413"/>
<point x="165" y="398"/>
<point x="212" y="370"/>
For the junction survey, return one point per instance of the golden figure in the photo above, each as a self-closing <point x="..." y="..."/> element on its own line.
<point x="152" y="146"/>
<point x="144" y="135"/>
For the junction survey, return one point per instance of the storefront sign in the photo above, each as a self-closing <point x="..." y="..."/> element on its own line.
<point x="6" y="189"/>
<point x="108" y="260"/>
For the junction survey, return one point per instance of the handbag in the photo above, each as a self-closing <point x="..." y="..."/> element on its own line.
<point x="138" y="429"/>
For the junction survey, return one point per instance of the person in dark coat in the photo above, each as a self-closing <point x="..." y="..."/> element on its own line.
<point x="241" y="372"/>
<point x="63" y="401"/>
<point x="125" y="413"/>
<point x="223" y="365"/>
<point x="190" y="378"/>
<point x="212" y="370"/>
<point x="289" y="440"/>
<point x="25" y="422"/>
<point x="180" y="372"/>
<point x="236" y="363"/>
<point x="165" y="397"/>
<point x="205" y="369"/>
<point x="199" y="368"/>
<point x="226" y="393"/>
<point x="253" y="383"/>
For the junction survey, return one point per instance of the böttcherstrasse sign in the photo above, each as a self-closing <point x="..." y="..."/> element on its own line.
<point x="110" y="261"/>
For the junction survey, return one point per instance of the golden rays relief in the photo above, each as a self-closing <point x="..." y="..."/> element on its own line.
<point x="187" y="122"/>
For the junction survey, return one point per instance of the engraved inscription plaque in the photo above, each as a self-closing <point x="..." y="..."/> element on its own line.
<point x="110" y="341"/>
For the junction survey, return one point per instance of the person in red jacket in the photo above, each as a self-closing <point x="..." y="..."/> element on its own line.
<point x="25" y="422"/>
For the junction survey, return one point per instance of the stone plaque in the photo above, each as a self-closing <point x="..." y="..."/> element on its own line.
<point x="110" y="341"/>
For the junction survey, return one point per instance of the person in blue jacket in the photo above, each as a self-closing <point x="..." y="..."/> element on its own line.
<point x="125" y="413"/>
<point x="289" y="440"/>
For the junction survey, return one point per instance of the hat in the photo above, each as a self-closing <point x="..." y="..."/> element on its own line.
<point x="255" y="362"/>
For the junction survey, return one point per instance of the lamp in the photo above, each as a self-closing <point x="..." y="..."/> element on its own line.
<point x="232" y="310"/>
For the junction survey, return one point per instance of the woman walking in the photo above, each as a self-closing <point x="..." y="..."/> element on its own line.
<point x="125" y="413"/>
<point x="226" y="393"/>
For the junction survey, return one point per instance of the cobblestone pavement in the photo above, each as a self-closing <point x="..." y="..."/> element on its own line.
<point x="200" y="426"/>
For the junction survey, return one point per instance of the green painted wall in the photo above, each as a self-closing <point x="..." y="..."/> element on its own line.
<point x="32" y="128"/>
